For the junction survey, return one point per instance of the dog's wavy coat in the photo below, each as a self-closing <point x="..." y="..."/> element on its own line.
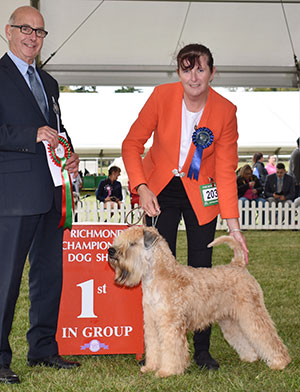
<point x="179" y="298"/>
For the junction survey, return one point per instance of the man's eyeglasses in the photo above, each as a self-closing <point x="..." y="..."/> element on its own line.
<point x="28" y="30"/>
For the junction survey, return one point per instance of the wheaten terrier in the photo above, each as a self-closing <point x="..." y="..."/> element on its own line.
<point x="178" y="298"/>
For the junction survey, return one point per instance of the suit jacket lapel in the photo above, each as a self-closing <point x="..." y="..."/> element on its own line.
<point x="18" y="79"/>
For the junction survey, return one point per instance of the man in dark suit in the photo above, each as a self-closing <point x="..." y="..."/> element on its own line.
<point x="30" y="204"/>
<point x="280" y="187"/>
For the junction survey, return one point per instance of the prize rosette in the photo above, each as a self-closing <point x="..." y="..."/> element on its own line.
<point x="202" y="138"/>
<point x="59" y="156"/>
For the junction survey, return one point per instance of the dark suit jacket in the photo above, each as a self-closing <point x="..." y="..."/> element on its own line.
<point x="26" y="185"/>
<point x="288" y="187"/>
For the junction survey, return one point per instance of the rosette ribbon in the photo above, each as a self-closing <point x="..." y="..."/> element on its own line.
<point x="202" y="138"/>
<point x="60" y="156"/>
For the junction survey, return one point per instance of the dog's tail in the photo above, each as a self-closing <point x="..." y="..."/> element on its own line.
<point x="238" y="259"/>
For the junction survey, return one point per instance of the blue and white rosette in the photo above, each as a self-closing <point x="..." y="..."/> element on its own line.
<point x="202" y="138"/>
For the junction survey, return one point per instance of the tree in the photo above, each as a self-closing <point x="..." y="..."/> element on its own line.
<point x="128" y="89"/>
<point x="78" y="89"/>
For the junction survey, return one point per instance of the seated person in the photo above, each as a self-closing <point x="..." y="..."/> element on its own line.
<point x="110" y="190"/>
<point x="280" y="187"/>
<point x="249" y="186"/>
<point x="259" y="168"/>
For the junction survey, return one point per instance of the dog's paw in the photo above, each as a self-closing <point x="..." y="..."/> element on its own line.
<point x="162" y="373"/>
<point x="145" y="369"/>
<point x="250" y="358"/>
<point x="168" y="372"/>
<point x="279" y="365"/>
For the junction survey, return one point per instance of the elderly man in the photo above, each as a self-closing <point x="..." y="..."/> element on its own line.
<point x="30" y="203"/>
<point x="280" y="187"/>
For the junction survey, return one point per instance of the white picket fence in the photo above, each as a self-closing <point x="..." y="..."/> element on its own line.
<point x="269" y="217"/>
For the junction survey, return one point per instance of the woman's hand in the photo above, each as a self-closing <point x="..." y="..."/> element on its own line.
<point x="148" y="201"/>
<point x="234" y="230"/>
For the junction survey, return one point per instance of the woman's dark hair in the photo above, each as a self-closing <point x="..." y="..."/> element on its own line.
<point x="113" y="169"/>
<point x="191" y="54"/>
<point x="257" y="156"/>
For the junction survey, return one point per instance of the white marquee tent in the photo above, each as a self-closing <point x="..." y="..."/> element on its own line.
<point x="267" y="121"/>
<point x="120" y="42"/>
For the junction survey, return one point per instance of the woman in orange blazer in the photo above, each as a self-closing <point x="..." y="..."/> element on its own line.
<point x="190" y="169"/>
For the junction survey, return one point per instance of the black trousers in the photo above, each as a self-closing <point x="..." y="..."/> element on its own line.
<point x="39" y="236"/>
<point x="174" y="204"/>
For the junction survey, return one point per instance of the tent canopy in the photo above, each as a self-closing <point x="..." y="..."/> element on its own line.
<point x="122" y="42"/>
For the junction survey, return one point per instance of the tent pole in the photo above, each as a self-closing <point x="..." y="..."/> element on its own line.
<point x="35" y="4"/>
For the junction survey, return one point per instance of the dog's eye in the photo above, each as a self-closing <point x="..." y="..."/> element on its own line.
<point x="132" y="243"/>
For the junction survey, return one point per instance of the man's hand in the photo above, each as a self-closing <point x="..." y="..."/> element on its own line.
<point x="72" y="164"/>
<point x="48" y="134"/>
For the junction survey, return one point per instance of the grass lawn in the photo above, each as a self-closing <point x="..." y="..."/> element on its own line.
<point x="274" y="261"/>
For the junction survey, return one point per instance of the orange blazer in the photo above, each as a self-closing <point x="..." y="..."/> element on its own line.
<point x="161" y="116"/>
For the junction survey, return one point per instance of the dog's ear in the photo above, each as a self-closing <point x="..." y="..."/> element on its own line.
<point x="149" y="238"/>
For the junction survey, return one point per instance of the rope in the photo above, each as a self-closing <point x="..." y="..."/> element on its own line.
<point x="1" y="36"/>
<point x="71" y="35"/>
<point x="292" y="45"/>
<point x="181" y="32"/>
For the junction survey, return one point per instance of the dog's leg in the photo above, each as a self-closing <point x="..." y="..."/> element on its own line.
<point x="259" y="329"/>
<point x="174" y="348"/>
<point x="152" y="345"/>
<point x="236" y="338"/>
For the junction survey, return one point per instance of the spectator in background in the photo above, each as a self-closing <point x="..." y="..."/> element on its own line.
<point x="249" y="186"/>
<point x="77" y="186"/>
<point x="294" y="167"/>
<point x="297" y="202"/>
<point x="259" y="168"/>
<point x="271" y="166"/>
<point x="280" y="187"/>
<point x="77" y="183"/>
<point x="110" y="190"/>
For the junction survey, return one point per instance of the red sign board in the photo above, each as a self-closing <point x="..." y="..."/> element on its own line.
<point x="96" y="316"/>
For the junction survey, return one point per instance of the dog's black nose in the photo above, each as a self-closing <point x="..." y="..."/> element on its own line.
<point x="111" y="252"/>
